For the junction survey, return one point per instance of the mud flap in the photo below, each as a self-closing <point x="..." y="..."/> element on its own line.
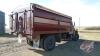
<point x="19" y="38"/>
<point x="36" y="43"/>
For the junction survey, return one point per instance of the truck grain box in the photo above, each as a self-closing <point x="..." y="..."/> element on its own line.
<point x="42" y="27"/>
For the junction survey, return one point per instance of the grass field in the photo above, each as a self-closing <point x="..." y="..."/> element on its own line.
<point x="90" y="34"/>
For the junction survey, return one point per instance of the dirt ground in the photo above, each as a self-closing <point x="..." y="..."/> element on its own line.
<point x="71" y="48"/>
<point x="67" y="49"/>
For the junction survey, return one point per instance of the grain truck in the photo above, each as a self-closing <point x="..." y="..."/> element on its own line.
<point x="42" y="27"/>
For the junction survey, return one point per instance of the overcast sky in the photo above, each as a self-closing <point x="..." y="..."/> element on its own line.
<point x="87" y="10"/>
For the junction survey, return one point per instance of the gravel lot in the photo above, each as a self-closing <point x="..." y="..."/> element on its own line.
<point x="12" y="48"/>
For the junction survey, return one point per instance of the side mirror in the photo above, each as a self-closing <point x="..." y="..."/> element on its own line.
<point x="74" y="23"/>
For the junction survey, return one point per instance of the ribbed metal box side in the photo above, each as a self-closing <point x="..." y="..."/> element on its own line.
<point x="2" y="22"/>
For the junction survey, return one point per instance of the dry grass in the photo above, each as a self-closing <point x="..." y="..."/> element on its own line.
<point x="90" y="34"/>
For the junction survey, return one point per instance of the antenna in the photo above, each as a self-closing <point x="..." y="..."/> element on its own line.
<point x="79" y="23"/>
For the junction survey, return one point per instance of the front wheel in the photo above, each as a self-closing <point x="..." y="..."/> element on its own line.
<point x="75" y="37"/>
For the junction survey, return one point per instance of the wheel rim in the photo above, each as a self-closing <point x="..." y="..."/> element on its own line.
<point x="50" y="44"/>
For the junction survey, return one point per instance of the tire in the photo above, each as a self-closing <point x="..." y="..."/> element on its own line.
<point x="64" y="36"/>
<point x="29" y="42"/>
<point x="41" y="43"/>
<point x="75" y="37"/>
<point x="58" y="38"/>
<point x="49" y="43"/>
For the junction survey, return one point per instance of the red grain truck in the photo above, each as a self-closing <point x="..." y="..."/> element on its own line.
<point x="42" y="27"/>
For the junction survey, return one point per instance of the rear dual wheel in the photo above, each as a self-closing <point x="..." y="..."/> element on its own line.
<point x="29" y="42"/>
<point x="48" y="43"/>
